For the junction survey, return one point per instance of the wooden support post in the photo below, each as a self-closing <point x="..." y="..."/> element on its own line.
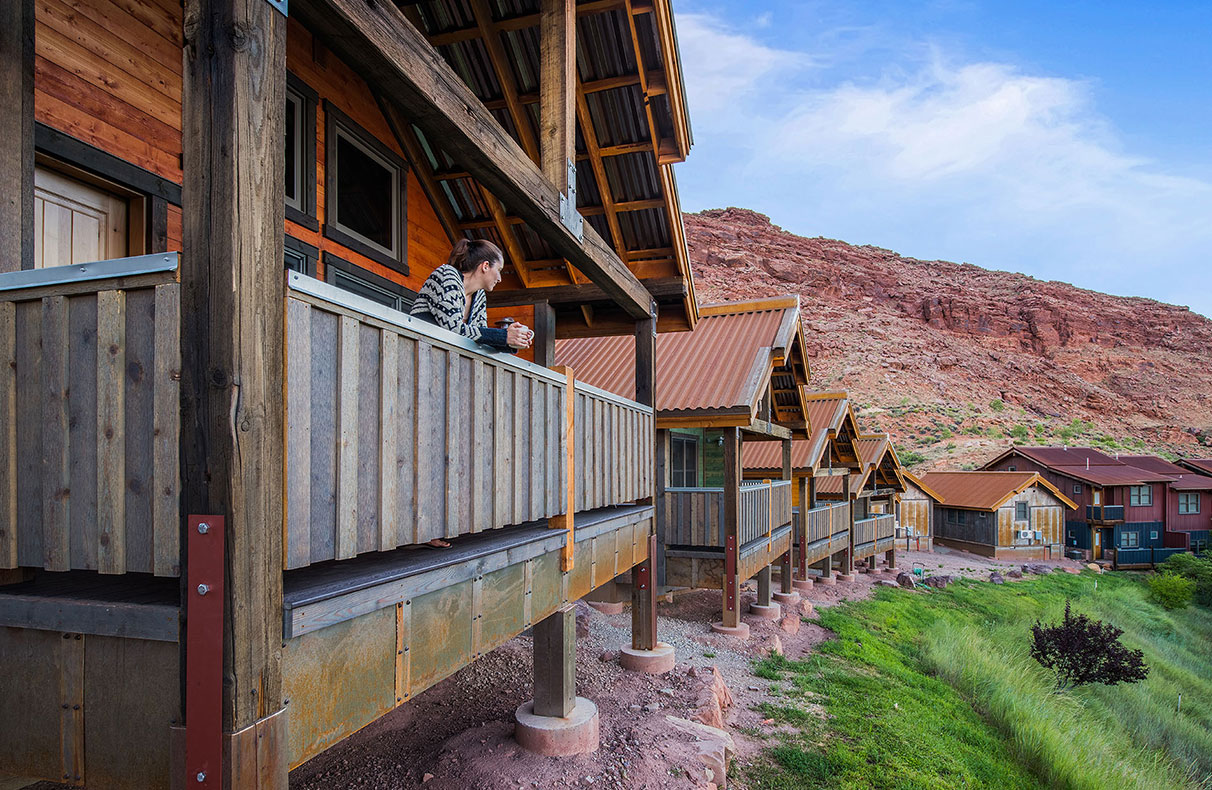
<point x="763" y="585"/>
<point x="786" y="443"/>
<point x="17" y="131"/>
<point x="643" y="575"/>
<point x="544" y="334"/>
<point x="785" y="574"/>
<point x="232" y="336"/>
<point x="811" y="491"/>
<point x="825" y="566"/>
<point x="557" y="89"/>
<point x="661" y="518"/>
<point x="890" y="557"/>
<point x="555" y="663"/>
<point x="801" y="565"/>
<point x="848" y="558"/>
<point x="732" y="521"/>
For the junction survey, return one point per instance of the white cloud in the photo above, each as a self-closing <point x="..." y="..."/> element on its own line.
<point x="974" y="161"/>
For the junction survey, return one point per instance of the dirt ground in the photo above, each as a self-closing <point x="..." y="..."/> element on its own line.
<point x="458" y="734"/>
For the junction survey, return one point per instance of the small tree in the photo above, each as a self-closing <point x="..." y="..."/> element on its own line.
<point x="1080" y="651"/>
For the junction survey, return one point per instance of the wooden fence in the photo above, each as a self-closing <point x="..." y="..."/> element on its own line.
<point x="695" y="516"/>
<point x="399" y="432"/>
<point x="90" y="419"/>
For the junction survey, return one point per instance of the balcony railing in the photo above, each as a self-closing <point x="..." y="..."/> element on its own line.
<point x="695" y="516"/>
<point x="876" y="528"/>
<point x="822" y="523"/>
<point x="1104" y="512"/>
<point x="399" y="432"/>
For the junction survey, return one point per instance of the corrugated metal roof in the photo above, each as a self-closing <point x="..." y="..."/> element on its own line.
<point x="915" y="481"/>
<point x="1151" y="463"/>
<point x="1108" y="475"/>
<point x="826" y="411"/>
<point x="985" y="490"/>
<point x="711" y="368"/>
<point x="1191" y="482"/>
<point x="1067" y="456"/>
<point x="1200" y="464"/>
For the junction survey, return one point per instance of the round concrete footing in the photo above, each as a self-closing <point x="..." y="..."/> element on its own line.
<point x="803" y="585"/>
<point x="890" y="569"/>
<point x="786" y="599"/>
<point x="844" y="577"/>
<point x="554" y="736"/>
<point x="657" y="661"/>
<point x="740" y="630"/>
<point x="607" y="607"/>
<point x="771" y="612"/>
<point x="828" y="581"/>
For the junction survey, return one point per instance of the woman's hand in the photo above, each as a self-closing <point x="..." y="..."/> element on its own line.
<point x="519" y="336"/>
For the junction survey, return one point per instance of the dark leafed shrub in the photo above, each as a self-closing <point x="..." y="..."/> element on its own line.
<point x="1080" y="651"/>
<point x="1171" y="590"/>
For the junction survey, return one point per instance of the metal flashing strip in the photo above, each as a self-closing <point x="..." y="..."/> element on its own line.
<point x="369" y="309"/>
<point x="612" y="397"/>
<point x="627" y="517"/>
<point x="97" y="270"/>
<point x="280" y="6"/>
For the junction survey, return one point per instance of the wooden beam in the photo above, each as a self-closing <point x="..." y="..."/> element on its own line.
<point x="590" y="135"/>
<point x="732" y="520"/>
<point x="557" y="94"/>
<point x="656" y="86"/>
<point x="232" y="308"/>
<point x="379" y="43"/>
<point x="544" y="334"/>
<point x="500" y="63"/>
<point x="667" y="288"/>
<point x="17" y="130"/>
<point x="512" y="248"/>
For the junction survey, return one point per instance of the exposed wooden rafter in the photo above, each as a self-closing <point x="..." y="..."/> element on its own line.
<point x="590" y="136"/>
<point x="522" y="22"/>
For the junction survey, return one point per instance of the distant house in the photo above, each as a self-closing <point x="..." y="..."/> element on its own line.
<point x="1004" y="515"/>
<point x="915" y="514"/>
<point x="1187" y="511"/>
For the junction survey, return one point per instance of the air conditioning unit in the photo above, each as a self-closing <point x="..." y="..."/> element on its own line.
<point x="1025" y="534"/>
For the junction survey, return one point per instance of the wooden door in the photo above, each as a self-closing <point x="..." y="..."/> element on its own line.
<point x="75" y="222"/>
<point x="1098" y="544"/>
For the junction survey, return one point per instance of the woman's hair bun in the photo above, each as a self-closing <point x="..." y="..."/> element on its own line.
<point x="467" y="254"/>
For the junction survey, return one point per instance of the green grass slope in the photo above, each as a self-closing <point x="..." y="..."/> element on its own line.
<point x="937" y="690"/>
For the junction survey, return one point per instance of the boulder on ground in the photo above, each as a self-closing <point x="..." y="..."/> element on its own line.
<point x="583" y="615"/>
<point x="1038" y="570"/>
<point x="716" y="747"/>
<point x="1095" y="567"/>
<point x="773" y="646"/>
<point x="906" y="580"/>
<point x="997" y="578"/>
<point x="1014" y="573"/>
<point x="939" y="582"/>
<point x="790" y="623"/>
<point x="887" y="583"/>
<point x="712" y="697"/>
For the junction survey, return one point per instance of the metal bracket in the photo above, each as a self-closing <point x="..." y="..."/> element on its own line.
<point x="204" y="654"/>
<point x="279" y="6"/>
<point x="569" y="215"/>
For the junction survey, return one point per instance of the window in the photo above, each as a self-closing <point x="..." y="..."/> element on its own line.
<point x="1153" y="535"/>
<point x="953" y="516"/>
<point x="1129" y="540"/>
<point x="1140" y="496"/>
<point x="1012" y="468"/>
<point x="1188" y="503"/>
<point x="1022" y="511"/>
<point x="365" y="200"/>
<point x="1077" y="488"/>
<point x="300" y="126"/>
<point x="354" y="279"/>
<point x="1070" y="533"/>
<point x="300" y="257"/>
<point x="81" y="218"/>
<point x="684" y="468"/>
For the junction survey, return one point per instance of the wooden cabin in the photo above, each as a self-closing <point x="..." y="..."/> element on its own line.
<point x="734" y="381"/>
<point x="223" y="438"/>
<point x="1119" y="505"/>
<point x="1004" y="515"/>
<point x="915" y="514"/>
<point x="844" y="485"/>
<point x="1186" y="513"/>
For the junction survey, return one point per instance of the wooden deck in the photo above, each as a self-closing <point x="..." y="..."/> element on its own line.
<point x="695" y="516"/>
<point x="823" y="531"/>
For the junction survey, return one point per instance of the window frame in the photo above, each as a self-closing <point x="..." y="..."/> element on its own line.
<point x="1188" y="496"/>
<point x="1077" y="488"/>
<point x="1125" y="543"/>
<point x="306" y="255"/>
<point x="1024" y="508"/>
<point x="337" y="269"/>
<point x="1135" y="498"/>
<point x="688" y="443"/>
<point x="305" y="213"/>
<point x="337" y="125"/>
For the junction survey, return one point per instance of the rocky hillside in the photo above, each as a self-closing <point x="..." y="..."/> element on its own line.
<point x="956" y="361"/>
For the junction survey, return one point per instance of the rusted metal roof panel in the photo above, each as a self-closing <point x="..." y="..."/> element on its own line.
<point x="1151" y="463"/>
<point x="1067" y="456"/>
<point x="711" y="368"/>
<point x="1121" y="475"/>
<point x="985" y="490"/>
<point x="1190" y="481"/>
<point x="1200" y="464"/>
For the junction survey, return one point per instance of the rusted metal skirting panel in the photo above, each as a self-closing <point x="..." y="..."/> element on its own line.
<point x="204" y="654"/>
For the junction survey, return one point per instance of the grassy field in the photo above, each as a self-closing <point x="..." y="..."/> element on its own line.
<point x="937" y="690"/>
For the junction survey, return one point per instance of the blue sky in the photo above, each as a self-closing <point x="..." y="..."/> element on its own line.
<point x="1065" y="140"/>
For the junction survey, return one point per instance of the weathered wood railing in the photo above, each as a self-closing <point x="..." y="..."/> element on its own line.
<point x="90" y="364"/>
<point x="399" y="432"/>
<point x="885" y="526"/>
<point x="869" y="530"/>
<point x="822" y="523"/>
<point x="614" y="449"/>
<point x="695" y="516"/>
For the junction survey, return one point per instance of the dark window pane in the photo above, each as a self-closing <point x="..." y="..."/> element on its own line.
<point x="366" y="200"/>
<point x="292" y="150"/>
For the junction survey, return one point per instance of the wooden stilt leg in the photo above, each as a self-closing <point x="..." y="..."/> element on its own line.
<point x="643" y="601"/>
<point x="763" y="580"/>
<point x="785" y="574"/>
<point x="555" y="663"/>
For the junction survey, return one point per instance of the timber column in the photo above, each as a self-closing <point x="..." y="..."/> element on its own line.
<point x="803" y="581"/>
<point x="787" y="594"/>
<point x="731" y="623"/>
<point x="232" y="308"/>
<point x="17" y="128"/>
<point x="646" y="654"/>
<point x="847" y="571"/>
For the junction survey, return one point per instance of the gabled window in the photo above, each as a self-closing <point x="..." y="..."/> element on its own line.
<point x="1188" y="503"/>
<point x="1140" y="496"/>
<point x="1022" y="511"/>
<point x="300" y="126"/>
<point x="684" y="466"/>
<point x="364" y="192"/>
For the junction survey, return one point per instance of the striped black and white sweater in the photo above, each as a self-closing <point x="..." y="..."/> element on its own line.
<point x="441" y="302"/>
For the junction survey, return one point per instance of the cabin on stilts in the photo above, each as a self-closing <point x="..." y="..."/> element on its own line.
<point x="844" y="485"/>
<point x="735" y="380"/>
<point x="222" y="438"/>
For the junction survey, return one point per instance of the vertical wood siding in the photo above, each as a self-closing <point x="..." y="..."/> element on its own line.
<point x="696" y="515"/>
<point x="615" y="443"/>
<point x="90" y="393"/>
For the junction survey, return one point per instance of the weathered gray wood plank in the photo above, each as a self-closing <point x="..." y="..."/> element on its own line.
<point x="346" y="544"/>
<point x="166" y="430"/>
<point x="324" y="408"/>
<point x="406" y="442"/>
<point x="139" y="405"/>
<point x="111" y="432"/>
<point x="56" y="380"/>
<point x="368" y="438"/>
<point x="8" y="435"/>
<point x="29" y="433"/>
<point x="389" y="421"/>
<point x="298" y="433"/>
